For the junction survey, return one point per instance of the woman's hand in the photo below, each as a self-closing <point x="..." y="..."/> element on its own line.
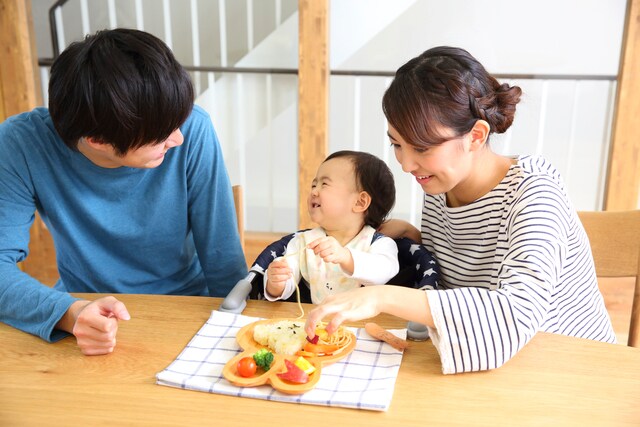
<point x="397" y="228"/>
<point x="278" y="273"/>
<point x="363" y="303"/>
<point x="355" y="304"/>
<point x="94" y="324"/>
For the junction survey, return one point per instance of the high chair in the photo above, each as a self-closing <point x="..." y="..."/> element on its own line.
<point x="418" y="269"/>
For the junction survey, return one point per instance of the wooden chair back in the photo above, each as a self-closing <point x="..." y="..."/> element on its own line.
<point x="615" y="244"/>
<point x="238" y="201"/>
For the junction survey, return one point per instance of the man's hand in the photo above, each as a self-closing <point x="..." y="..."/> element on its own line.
<point x="94" y="324"/>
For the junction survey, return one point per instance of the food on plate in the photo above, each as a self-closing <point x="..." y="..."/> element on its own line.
<point x="321" y="349"/>
<point x="293" y="373"/>
<point x="263" y="358"/>
<point x="323" y="344"/>
<point x="288" y="337"/>
<point x="246" y="367"/>
<point x="283" y="337"/>
<point x="305" y="365"/>
<point x="267" y="340"/>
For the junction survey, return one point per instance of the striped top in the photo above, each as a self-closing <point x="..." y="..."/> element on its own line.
<point x="512" y="263"/>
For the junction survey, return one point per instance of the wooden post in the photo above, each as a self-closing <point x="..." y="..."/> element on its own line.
<point x="19" y="78"/>
<point x="623" y="174"/>
<point x="313" y="97"/>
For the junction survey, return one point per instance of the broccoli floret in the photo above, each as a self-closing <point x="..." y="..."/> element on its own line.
<point x="263" y="358"/>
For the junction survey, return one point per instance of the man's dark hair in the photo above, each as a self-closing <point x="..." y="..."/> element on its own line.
<point x="122" y="87"/>
<point x="373" y="176"/>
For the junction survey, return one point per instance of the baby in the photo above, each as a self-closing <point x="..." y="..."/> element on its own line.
<point x="350" y="197"/>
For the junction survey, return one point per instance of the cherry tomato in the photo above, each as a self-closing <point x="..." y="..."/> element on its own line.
<point x="247" y="367"/>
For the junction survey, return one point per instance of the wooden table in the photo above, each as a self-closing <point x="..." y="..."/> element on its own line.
<point x="554" y="381"/>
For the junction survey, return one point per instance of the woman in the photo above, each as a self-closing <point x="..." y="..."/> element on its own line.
<point x="514" y="258"/>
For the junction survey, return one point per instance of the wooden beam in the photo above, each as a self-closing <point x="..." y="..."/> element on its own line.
<point x="313" y="97"/>
<point x="19" y="78"/>
<point x="623" y="175"/>
<point x="3" y="115"/>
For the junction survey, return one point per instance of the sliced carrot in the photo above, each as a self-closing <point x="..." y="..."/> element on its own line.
<point x="321" y="348"/>
<point x="305" y="353"/>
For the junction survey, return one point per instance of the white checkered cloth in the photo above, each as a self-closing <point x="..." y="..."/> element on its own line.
<point x="365" y="379"/>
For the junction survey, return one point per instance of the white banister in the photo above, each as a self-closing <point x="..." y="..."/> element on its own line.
<point x="249" y="25"/>
<point x="60" y="29"/>
<point x="270" y="150"/>
<point x="168" y="34"/>
<point x="543" y="117"/>
<point x="84" y="13"/>
<point x="111" y="6"/>
<point x="356" y="113"/>
<point x="139" y="15"/>
<point x="222" y="23"/>
<point x="195" y="44"/>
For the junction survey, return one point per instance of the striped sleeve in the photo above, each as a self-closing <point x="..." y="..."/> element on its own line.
<point x="520" y="278"/>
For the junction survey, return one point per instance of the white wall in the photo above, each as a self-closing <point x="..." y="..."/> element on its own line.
<point x="567" y="121"/>
<point x="507" y="36"/>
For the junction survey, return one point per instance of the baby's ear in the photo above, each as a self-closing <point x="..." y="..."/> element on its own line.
<point x="363" y="202"/>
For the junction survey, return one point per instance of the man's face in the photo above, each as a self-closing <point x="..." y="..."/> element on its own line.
<point x="146" y="157"/>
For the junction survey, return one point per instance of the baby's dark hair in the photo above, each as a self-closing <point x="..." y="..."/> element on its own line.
<point x="446" y="86"/>
<point x="373" y="176"/>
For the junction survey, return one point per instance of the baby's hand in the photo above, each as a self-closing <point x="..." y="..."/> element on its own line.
<point x="330" y="250"/>
<point x="278" y="273"/>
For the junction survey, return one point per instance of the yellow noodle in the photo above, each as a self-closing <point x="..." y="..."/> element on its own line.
<point x="340" y="337"/>
<point x="297" y="287"/>
<point x="299" y="302"/>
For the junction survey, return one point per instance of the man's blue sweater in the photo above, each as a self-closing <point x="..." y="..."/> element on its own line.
<point x="167" y="230"/>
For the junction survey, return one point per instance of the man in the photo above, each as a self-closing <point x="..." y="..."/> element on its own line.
<point x="128" y="176"/>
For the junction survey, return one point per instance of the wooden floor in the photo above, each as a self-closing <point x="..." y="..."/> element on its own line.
<point x="41" y="264"/>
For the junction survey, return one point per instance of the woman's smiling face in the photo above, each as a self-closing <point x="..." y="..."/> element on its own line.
<point x="438" y="169"/>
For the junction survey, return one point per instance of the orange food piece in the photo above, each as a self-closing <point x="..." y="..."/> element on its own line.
<point x="321" y="348"/>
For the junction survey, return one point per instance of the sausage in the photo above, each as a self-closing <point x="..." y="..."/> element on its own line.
<point x="382" y="334"/>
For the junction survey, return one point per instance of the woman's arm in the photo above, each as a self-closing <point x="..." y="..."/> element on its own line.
<point x="369" y="301"/>
<point x="397" y="228"/>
